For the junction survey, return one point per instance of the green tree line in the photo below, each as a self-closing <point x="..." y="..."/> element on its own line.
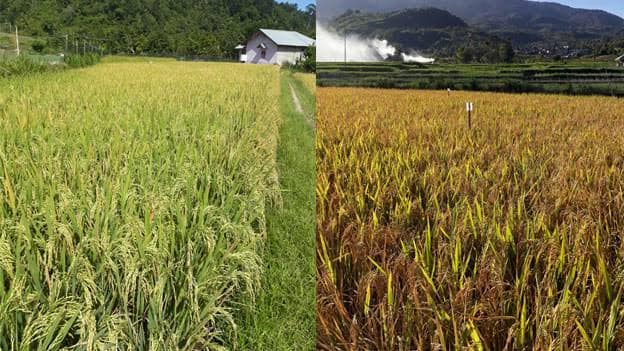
<point x="168" y="27"/>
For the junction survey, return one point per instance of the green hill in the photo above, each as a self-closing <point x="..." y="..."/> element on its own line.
<point x="428" y="31"/>
<point x="182" y="27"/>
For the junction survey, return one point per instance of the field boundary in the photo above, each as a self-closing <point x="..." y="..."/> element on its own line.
<point x="284" y="316"/>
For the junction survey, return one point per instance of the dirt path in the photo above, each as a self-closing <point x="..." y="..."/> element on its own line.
<point x="296" y="99"/>
<point x="284" y="314"/>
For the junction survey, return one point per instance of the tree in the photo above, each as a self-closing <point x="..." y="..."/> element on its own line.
<point x="309" y="59"/>
<point x="506" y="52"/>
<point x="464" y="55"/>
<point x="189" y="27"/>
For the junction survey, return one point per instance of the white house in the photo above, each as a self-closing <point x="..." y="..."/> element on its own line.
<point x="270" y="46"/>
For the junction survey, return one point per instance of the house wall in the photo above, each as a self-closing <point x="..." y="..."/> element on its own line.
<point x="254" y="54"/>
<point x="289" y="54"/>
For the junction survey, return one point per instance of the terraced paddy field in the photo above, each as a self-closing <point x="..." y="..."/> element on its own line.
<point x="133" y="203"/>
<point x="432" y="236"/>
<point x="575" y="77"/>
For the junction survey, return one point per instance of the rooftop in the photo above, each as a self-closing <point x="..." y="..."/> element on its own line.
<point x="288" y="38"/>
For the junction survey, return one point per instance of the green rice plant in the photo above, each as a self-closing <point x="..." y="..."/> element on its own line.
<point x="132" y="204"/>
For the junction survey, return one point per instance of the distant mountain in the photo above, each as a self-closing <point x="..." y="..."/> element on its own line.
<point x="409" y="19"/>
<point x="427" y="31"/>
<point x="522" y="21"/>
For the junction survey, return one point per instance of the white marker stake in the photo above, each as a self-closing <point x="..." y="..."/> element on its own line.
<point x="469" y="109"/>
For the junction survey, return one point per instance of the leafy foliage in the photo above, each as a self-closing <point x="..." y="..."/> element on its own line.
<point x="38" y="45"/>
<point x="20" y="66"/>
<point x="184" y="27"/>
<point x="307" y="63"/>
<point x="78" y="61"/>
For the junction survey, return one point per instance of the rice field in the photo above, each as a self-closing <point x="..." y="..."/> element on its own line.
<point x="132" y="204"/>
<point x="431" y="236"/>
<point x="308" y="79"/>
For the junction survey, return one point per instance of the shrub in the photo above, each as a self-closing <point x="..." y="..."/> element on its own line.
<point x="39" y="45"/>
<point x="20" y="66"/>
<point x="307" y="63"/>
<point x="78" y="61"/>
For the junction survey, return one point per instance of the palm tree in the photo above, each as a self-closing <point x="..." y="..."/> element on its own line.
<point x="311" y="10"/>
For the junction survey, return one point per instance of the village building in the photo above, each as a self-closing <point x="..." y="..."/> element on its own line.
<point x="620" y="61"/>
<point x="274" y="47"/>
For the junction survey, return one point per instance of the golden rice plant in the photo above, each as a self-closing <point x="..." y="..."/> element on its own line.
<point x="308" y="79"/>
<point x="132" y="204"/>
<point x="507" y="236"/>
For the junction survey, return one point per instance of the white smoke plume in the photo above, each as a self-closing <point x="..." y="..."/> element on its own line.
<point x="413" y="57"/>
<point x="331" y="47"/>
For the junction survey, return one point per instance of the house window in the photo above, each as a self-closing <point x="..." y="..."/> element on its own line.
<point x="263" y="54"/>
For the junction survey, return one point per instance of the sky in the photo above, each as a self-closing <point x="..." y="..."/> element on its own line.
<point x="613" y="6"/>
<point x="302" y="3"/>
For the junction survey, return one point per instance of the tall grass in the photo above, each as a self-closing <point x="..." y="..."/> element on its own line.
<point x="79" y="61"/>
<point x="504" y="237"/>
<point x="132" y="204"/>
<point x="20" y="66"/>
<point x="24" y="65"/>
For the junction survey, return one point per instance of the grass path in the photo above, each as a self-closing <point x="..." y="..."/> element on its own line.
<point x="284" y="317"/>
<point x="296" y="101"/>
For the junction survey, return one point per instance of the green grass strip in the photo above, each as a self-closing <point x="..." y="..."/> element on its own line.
<point x="283" y="318"/>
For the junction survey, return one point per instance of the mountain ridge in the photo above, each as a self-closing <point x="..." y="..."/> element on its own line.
<point x="523" y="22"/>
<point x="437" y="33"/>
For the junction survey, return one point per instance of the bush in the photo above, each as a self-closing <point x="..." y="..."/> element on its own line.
<point x="309" y="59"/>
<point x="78" y="61"/>
<point x="307" y="63"/>
<point x="20" y="66"/>
<point x="39" y="45"/>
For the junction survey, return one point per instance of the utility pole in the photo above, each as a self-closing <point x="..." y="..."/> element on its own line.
<point x="66" y="41"/>
<point x="84" y="47"/>
<point x="345" y="49"/>
<point x="17" y="41"/>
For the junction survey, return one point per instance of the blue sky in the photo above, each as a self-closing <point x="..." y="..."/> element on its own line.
<point x="302" y="3"/>
<point x="613" y="6"/>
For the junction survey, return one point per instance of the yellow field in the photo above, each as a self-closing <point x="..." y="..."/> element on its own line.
<point x="433" y="236"/>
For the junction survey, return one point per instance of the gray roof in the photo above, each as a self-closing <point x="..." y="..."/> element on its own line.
<point x="621" y="58"/>
<point x="288" y="38"/>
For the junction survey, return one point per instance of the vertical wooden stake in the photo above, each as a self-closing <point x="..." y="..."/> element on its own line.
<point x="469" y="108"/>
<point x="17" y="41"/>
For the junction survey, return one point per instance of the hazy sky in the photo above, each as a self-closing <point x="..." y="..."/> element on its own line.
<point x="613" y="6"/>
